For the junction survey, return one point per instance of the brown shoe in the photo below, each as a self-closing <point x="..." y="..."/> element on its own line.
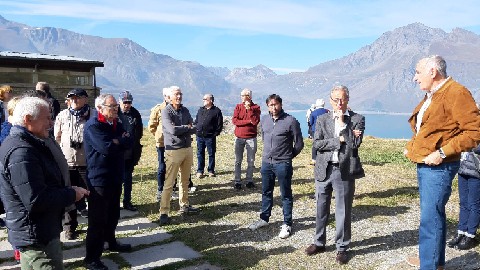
<point x="342" y="257"/>
<point x="314" y="249"/>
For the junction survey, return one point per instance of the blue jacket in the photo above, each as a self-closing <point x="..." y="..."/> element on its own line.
<point x="105" y="159"/>
<point x="282" y="138"/>
<point x="32" y="189"/>
<point x="313" y="117"/>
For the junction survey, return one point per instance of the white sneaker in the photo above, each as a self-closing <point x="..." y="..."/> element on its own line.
<point x="257" y="224"/>
<point x="285" y="231"/>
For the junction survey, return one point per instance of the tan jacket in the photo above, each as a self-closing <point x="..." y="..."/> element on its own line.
<point x="67" y="129"/>
<point x="155" y="123"/>
<point x="452" y="122"/>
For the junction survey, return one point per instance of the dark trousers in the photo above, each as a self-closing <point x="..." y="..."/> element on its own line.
<point x="77" y="178"/>
<point x="103" y="215"/>
<point x="469" y="192"/>
<point x="127" y="181"/>
<point x="211" y="145"/>
<point x="283" y="172"/>
<point x="344" y="191"/>
<point x="161" y="168"/>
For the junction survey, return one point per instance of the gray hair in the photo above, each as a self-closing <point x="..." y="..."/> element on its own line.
<point x="340" y="88"/>
<point x="100" y="100"/>
<point x="210" y="96"/>
<point x="247" y="91"/>
<point x="437" y="62"/>
<point x="174" y="88"/>
<point x="28" y="106"/>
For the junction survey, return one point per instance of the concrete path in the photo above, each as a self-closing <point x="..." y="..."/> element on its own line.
<point x="151" y="247"/>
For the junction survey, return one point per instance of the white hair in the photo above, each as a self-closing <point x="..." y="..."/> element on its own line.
<point x="174" y="88"/>
<point x="28" y="106"/>
<point x="166" y="91"/>
<point x="248" y="92"/>
<point x="100" y="100"/>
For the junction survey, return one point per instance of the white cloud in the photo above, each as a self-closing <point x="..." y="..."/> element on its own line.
<point x="308" y="18"/>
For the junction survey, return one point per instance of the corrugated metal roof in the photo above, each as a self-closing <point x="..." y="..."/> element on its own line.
<point x="44" y="56"/>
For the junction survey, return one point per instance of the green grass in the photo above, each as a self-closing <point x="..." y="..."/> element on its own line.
<point x="218" y="231"/>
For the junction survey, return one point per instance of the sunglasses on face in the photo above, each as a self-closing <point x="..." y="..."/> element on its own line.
<point x="127" y="102"/>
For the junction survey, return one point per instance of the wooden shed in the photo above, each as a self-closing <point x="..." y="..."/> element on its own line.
<point x="23" y="70"/>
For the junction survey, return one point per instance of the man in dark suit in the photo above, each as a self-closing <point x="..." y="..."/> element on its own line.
<point x="338" y="135"/>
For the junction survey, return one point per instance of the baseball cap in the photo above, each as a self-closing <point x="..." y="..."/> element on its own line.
<point x="126" y="96"/>
<point x="79" y="92"/>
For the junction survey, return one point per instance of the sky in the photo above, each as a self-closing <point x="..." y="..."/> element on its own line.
<point x="286" y="36"/>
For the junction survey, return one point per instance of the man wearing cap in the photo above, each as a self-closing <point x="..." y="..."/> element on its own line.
<point x="68" y="132"/>
<point x="132" y="123"/>
<point x="320" y="109"/>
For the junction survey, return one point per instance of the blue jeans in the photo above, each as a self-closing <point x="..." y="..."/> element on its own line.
<point x="127" y="181"/>
<point x="469" y="192"/>
<point x="161" y="168"/>
<point x="240" y="145"/>
<point x="435" y="187"/>
<point x="283" y="171"/>
<point x="211" y="145"/>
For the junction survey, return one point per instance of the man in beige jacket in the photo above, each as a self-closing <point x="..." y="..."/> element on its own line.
<point x="155" y="127"/>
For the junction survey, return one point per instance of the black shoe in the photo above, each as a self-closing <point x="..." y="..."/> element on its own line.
<point x="71" y="235"/>
<point x="95" y="265"/>
<point x="83" y="213"/>
<point x="342" y="257"/>
<point x="250" y="185"/>
<point x="119" y="247"/>
<point x="454" y="241"/>
<point x="164" y="219"/>
<point x="237" y="186"/>
<point x="466" y="243"/>
<point x="2" y="223"/>
<point x="188" y="209"/>
<point x="129" y="207"/>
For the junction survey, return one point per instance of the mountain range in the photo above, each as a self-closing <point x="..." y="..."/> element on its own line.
<point x="378" y="75"/>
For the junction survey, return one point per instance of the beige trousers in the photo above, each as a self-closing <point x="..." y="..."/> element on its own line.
<point x="175" y="160"/>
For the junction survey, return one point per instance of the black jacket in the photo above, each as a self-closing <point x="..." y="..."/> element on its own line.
<point x="132" y="123"/>
<point x="32" y="189"/>
<point x="468" y="165"/>
<point x="209" y="122"/>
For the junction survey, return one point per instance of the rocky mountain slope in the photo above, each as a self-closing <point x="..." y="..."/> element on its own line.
<point x="379" y="75"/>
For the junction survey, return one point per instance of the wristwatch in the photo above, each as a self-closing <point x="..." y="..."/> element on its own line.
<point x="442" y="154"/>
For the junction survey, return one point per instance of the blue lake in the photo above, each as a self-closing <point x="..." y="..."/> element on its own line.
<point x="388" y="126"/>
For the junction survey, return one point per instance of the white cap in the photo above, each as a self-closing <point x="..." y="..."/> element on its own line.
<point x="320" y="103"/>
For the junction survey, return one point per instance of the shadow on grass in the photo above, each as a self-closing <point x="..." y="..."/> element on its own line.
<point x="468" y="261"/>
<point x="361" y="212"/>
<point x="402" y="191"/>
<point x="396" y="240"/>
<point x="216" y="240"/>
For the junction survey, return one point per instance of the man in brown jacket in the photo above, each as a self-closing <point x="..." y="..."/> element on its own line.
<point x="155" y="127"/>
<point x="444" y="124"/>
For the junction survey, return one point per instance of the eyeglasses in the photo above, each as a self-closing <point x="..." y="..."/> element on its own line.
<point x="337" y="100"/>
<point x="245" y="95"/>
<point x="127" y="102"/>
<point x="205" y="99"/>
<point x="114" y="106"/>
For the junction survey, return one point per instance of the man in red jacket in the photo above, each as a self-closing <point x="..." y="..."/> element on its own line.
<point x="245" y="118"/>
